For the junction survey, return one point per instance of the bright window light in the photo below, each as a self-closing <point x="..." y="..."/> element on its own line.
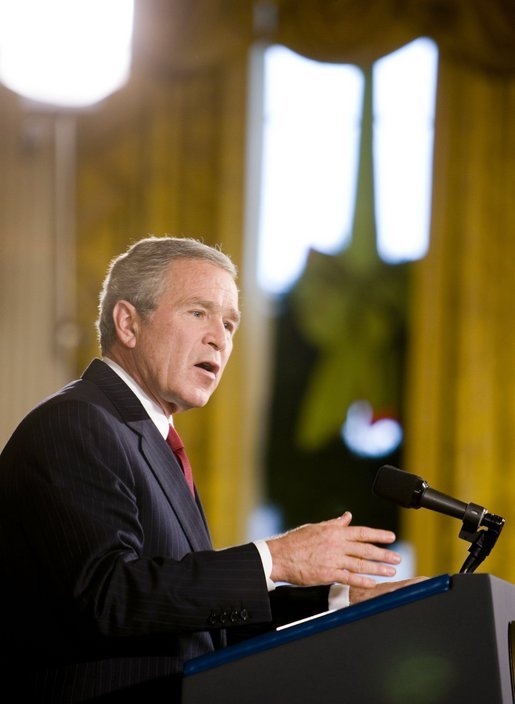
<point x="311" y="132"/>
<point x="69" y="53"/>
<point x="404" y="99"/>
<point x="310" y="151"/>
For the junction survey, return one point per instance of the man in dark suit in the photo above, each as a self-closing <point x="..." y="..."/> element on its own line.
<point x="109" y="581"/>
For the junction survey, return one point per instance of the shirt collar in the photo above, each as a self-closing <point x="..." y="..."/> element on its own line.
<point x="156" y="413"/>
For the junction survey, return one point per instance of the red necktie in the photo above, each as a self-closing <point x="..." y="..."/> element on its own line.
<point x="175" y="442"/>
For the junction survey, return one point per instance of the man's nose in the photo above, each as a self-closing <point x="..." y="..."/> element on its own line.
<point x="216" y="335"/>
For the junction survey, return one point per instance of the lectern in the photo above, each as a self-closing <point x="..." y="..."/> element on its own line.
<point x="446" y="640"/>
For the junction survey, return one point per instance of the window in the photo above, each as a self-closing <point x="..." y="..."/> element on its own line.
<point x="310" y="140"/>
<point x="404" y="99"/>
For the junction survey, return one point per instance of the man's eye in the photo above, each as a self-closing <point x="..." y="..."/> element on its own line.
<point x="197" y="313"/>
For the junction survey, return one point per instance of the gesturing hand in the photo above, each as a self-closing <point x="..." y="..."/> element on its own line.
<point x="332" y="551"/>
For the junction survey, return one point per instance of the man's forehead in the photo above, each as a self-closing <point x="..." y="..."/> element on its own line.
<point x="198" y="268"/>
<point x="201" y="282"/>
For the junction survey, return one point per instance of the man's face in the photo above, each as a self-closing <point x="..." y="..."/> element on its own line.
<point x="181" y="349"/>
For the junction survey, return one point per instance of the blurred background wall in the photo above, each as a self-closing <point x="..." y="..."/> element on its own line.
<point x="168" y="153"/>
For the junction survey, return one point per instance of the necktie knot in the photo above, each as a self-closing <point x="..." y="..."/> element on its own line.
<point x="174" y="441"/>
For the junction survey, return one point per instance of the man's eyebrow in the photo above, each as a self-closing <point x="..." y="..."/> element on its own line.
<point x="235" y="316"/>
<point x="232" y="313"/>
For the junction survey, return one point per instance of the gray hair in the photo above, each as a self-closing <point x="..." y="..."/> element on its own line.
<point x="139" y="277"/>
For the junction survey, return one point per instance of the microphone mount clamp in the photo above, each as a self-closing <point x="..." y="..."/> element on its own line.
<point x="482" y="533"/>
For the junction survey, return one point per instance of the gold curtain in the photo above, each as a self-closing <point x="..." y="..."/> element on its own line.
<point x="462" y="378"/>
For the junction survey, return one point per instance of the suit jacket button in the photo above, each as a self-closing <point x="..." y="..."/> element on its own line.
<point x="224" y="617"/>
<point x="244" y="615"/>
<point x="235" y="616"/>
<point x="213" y="618"/>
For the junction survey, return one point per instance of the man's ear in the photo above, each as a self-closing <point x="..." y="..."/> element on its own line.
<point x="126" y="323"/>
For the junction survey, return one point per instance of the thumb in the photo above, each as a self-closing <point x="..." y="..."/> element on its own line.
<point x="345" y="519"/>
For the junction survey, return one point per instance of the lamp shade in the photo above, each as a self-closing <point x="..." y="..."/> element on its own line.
<point x="68" y="53"/>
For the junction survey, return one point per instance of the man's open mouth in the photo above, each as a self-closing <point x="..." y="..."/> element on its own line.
<point x="208" y="366"/>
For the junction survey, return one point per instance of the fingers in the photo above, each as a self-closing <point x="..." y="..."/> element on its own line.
<point x="364" y="558"/>
<point x="372" y="553"/>
<point x="362" y="533"/>
<point x="370" y="535"/>
<point x="359" y="593"/>
<point x="353" y="579"/>
<point x="360" y="559"/>
<point x="333" y="551"/>
<point x="368" y="567"/>
<point x="345" y="519"/>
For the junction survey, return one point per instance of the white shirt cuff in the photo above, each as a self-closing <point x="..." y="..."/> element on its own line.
<point x="338" y="596"/>
<point x="266" y="559"/>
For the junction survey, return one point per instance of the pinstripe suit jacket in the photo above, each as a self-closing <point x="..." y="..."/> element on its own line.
<point x="109" y="580"/>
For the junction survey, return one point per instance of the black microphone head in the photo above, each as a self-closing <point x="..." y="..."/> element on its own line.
<point x="399" y="486"/>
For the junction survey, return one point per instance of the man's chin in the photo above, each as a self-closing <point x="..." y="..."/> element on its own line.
<point x="198" y="401"/>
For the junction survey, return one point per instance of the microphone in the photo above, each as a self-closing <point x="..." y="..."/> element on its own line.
<point x="411" y="491"/>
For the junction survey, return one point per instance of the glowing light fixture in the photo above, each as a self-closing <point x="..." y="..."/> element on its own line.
<point x="369" y="437"/>
<point x="70" y="53"/>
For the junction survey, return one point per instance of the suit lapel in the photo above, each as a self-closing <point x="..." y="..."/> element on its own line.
<point x="170" y="476"/>
<point x="155" y="452"/>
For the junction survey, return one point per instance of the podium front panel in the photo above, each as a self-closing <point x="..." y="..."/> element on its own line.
<point x="442" y="641"/>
